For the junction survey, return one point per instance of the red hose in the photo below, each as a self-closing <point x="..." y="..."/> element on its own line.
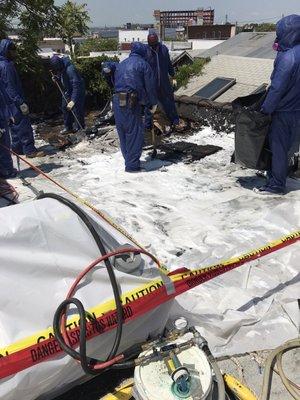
<point x="79" y="278"/>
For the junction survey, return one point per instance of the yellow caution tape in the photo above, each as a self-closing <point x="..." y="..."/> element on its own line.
<point x="193" y="278"/>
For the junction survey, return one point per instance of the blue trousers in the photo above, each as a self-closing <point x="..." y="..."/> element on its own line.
<point x="284" y="133"/>
<point x="22" y="135"/>
<point x="130" y="127"/>
<point x="79" y="110"/>
<point x="167" y="104"/>
<point x="6" y="162"/>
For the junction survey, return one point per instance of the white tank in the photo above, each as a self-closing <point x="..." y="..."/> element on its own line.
<point x="153" y="382"/>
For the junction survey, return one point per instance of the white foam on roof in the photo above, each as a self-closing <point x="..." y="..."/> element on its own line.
<point x="196" y="215"/>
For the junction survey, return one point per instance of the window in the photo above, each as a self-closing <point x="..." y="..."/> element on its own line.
<point x="215" y="88"/>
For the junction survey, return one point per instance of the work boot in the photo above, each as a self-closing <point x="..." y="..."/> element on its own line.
<point x="269" y="191"/>
<point x="66" y="131"/>
<point x="8" y="192"/>
<point x="135" y="171"/>
<point x="36" y="154"/>
<point x="262" y="174"/>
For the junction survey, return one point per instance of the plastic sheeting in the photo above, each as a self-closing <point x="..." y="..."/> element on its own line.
<point x="254" y="307"/>
<point x="43" y="246"/>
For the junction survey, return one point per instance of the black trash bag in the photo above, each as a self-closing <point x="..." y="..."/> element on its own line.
<point x="251" y="135"/>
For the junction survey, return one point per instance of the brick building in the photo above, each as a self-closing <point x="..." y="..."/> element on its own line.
<point x="183" y="18"/>
<point x="174" y="19"/>
<point x="216" y="32"/>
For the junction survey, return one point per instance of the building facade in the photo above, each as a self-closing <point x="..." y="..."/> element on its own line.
<point x="211" y="32"/>
<point x="174" y="19"/>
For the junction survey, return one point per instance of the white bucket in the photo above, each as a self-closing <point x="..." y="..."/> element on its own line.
<point x="153" y="382"/>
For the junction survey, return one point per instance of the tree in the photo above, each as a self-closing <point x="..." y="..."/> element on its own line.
<point x="73" y="21"/>
<point x="33" y="17"/>
<point x="97" y="89"/>
<point x="97" y="45"/>
<point x="265" y="27"/>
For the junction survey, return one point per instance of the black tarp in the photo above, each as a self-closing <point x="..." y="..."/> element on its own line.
<point x="251" y="134"/>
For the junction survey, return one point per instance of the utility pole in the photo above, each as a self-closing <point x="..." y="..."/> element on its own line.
<point x="226" y="19"/>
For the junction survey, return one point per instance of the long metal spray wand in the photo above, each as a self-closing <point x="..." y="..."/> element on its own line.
<point x="66" y="100"/>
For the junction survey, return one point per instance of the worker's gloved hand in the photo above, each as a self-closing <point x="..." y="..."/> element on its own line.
<point x="70" y="105"/>
<point x="11" y="120"/>
<point x="174" y="82"/>
<point x="153" y="109"/>
<point x="24" y="109"/>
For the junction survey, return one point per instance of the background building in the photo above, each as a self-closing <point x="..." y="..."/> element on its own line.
<point x="182" y="18"/>
<point x="215" y="32"/>
<point x="126" y="37"/>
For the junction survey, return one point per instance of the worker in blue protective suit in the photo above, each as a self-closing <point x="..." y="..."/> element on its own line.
<point x="159" y="59"/>
<point x="73" y="88"/>
<point x="108" y="72"/>
<point x="21" y="130"/>
<point x="283" y="103"/>
<point x="7" y="170"/>
<point x="134" y="90"/>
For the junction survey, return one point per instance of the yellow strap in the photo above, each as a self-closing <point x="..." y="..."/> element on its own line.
<point x="124" y="392"/>
<point x="239" y="390"/>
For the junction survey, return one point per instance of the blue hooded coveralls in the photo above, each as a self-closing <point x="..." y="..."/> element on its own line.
<point x="74" y="90"/>
<point x="21" y="131"/>
<point x="162" y="67"/>
<point x="133" y="75"/>
<point x="283" y="100"/>
<point x="6" y="163"/>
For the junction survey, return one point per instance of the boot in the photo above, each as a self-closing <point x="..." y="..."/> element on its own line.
<point x="36" y="154"/>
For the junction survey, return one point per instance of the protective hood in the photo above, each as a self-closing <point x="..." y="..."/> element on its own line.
<point x="4" y="45"/>
<point x="139" y="49"/>
<point x="153" y="39"/>
<point x="109" y="66"/>
<point x="59" y="64"/>
<point x="288" y="32"/>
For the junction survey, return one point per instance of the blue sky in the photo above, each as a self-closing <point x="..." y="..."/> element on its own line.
<point x="115" y="12"/>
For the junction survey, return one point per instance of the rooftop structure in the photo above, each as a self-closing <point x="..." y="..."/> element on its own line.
<point x="219" y="32"/>
<point x="248" y="74"/>
<point x="245" y="44"/>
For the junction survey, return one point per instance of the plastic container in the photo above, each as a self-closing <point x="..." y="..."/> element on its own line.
<point x="152" y="381"/>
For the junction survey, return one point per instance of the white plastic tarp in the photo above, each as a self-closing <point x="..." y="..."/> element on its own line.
<point x="255" y="307"/>
<point x="43" y="247"/>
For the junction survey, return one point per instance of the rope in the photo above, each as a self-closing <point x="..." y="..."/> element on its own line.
<point x="84" y="202"/>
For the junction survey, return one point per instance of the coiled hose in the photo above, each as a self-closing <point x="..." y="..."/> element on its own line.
<point x="276" y="356"/>
<point x="60" y="314"/>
